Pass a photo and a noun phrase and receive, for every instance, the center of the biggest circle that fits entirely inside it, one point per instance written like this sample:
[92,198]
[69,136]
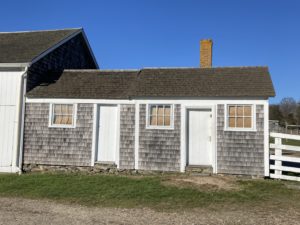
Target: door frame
[185,132]
[96,120]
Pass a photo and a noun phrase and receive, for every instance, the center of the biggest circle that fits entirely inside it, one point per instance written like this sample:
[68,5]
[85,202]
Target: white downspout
[22,116]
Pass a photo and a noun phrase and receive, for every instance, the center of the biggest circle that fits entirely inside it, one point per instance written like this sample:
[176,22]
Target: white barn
[26,60]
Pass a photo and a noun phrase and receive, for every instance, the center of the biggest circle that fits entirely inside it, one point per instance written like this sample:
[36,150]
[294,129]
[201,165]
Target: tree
[274,113]
[288,108]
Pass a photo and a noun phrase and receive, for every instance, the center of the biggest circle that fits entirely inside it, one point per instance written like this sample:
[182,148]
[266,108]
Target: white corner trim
[157,127]
[118,136]
[183,144]
[216,139]
[94,138]
[136,136]
[50,125]
[266,140]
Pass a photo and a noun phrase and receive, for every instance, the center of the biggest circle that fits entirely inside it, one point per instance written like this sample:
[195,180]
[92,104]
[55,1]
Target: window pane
[64,120]
[160,110]
[160,120]
[167,120]
[232,111]
[247,111]
[153,110]
[167,110]
[248,122]
[239,122]
[57,109]
[70,109]
[57,119]
[64,109]
[153,120]
[231,122]
[240,110]
[62,114]
[69,121]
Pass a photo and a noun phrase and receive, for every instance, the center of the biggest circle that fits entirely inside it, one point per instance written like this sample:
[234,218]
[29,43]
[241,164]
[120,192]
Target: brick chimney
[206,53]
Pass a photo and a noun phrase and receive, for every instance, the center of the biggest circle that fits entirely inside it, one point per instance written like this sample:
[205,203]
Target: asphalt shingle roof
[23,47]
[177,82]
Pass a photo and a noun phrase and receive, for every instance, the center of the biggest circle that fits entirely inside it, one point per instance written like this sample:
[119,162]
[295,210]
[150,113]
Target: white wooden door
[7,128]
[107,127]
[9,94]
[199,137]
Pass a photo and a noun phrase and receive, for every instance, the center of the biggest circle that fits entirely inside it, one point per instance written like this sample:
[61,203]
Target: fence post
[278,152]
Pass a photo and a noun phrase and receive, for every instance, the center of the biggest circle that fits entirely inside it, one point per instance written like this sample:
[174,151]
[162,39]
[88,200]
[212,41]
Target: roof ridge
[32,31]
[100,70]
[218,67]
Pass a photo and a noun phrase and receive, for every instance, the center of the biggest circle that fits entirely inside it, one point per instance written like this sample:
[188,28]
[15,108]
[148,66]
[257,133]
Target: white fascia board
[185,102]
[74,101]
[22,65]
[89,47]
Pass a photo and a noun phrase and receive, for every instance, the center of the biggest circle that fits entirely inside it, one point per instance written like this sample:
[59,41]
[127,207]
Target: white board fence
[279,158]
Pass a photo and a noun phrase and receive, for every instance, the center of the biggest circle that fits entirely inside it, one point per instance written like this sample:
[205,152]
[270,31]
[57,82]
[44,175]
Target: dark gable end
[185,82]
[23,47]
[73,54]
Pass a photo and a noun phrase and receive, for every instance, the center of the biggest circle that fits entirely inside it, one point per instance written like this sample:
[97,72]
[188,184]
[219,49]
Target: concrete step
[105,165]
[199,169]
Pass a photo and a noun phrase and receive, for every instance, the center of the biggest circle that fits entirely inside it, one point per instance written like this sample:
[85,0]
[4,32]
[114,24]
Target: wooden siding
[240,152]
[57,146]
[159,149]
[127,133]
[73,54]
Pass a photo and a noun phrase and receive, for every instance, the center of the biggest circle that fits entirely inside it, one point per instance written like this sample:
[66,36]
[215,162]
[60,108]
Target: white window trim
[253,127]
[157,127]
[62,125]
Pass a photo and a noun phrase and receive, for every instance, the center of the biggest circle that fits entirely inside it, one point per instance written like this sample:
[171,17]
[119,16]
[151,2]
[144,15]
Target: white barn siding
[10,83]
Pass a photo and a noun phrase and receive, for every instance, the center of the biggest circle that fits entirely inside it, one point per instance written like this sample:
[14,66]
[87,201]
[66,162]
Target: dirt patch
[209,183]
[18,211]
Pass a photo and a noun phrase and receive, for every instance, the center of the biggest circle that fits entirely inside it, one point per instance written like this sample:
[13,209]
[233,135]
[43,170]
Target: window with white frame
[240,117]
[62,115]
[160,116]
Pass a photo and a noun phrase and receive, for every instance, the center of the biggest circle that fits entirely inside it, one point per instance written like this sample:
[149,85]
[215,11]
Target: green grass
[121,191]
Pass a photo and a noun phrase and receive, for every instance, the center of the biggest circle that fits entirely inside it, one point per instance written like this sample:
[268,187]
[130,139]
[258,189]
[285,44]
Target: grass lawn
[144,191]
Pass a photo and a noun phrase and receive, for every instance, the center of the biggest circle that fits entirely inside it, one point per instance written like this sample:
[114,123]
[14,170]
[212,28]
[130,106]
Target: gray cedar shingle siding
[73,54]
[241,152]
[159,149]
[127,133]
[57,146]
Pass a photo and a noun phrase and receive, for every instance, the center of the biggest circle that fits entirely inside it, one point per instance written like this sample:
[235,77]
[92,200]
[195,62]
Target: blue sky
[162,33]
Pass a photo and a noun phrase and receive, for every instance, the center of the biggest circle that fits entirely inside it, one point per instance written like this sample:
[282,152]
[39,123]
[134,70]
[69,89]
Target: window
[160,116]
[62,115]
[240,117]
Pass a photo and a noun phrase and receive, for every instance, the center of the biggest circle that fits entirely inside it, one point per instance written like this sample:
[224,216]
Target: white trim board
[191,102]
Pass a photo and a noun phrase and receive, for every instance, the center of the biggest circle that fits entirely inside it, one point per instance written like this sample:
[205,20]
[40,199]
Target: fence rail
[289,159]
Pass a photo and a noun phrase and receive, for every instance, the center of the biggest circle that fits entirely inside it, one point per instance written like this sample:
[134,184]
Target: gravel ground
[15,211]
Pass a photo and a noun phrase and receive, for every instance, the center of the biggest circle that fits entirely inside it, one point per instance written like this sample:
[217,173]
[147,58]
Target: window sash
[238,117]
[62,114]
[160,115]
